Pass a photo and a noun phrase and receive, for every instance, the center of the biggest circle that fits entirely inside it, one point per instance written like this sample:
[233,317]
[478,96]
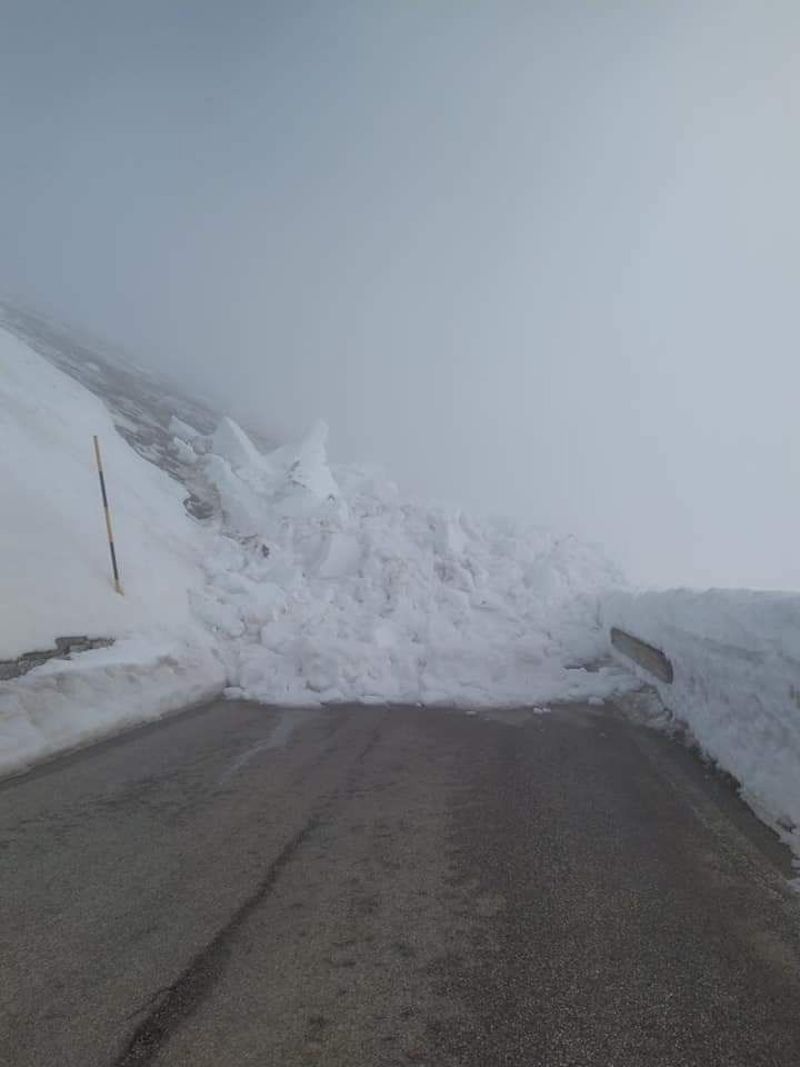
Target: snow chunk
[306,465]
[182,430]
[184,452]
[339,556]
[231,443]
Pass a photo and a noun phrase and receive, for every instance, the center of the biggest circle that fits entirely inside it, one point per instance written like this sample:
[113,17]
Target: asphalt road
[369,887]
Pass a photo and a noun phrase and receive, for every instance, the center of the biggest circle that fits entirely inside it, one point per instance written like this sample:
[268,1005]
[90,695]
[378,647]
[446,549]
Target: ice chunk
[182,430]
[231,443]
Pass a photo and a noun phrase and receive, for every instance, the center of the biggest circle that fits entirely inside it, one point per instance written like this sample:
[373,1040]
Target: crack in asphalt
[146,1003]
[188,991]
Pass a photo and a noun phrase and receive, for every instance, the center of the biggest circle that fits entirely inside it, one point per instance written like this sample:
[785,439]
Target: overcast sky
[538,258]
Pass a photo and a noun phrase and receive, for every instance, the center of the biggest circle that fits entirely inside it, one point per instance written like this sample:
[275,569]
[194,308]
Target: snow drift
[736,659]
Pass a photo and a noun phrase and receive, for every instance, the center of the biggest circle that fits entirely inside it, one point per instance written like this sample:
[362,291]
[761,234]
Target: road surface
[239,885]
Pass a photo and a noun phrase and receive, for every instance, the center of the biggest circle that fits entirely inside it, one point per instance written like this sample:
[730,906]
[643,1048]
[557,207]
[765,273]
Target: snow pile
[326,586]
[736,659]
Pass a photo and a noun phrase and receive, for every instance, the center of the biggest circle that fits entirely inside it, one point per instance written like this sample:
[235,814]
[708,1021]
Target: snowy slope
[55,575]
[54,572]
[142,404]
[303,583]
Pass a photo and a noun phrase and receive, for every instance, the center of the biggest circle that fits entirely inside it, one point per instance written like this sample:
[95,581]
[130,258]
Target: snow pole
[107,511]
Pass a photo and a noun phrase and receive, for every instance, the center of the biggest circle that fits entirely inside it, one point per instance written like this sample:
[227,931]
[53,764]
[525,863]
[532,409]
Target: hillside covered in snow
[267,573]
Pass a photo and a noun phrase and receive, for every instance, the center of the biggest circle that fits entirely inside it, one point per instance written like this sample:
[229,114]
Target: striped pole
[103,493]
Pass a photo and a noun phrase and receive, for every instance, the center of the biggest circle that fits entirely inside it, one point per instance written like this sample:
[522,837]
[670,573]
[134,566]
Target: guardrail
[649,657]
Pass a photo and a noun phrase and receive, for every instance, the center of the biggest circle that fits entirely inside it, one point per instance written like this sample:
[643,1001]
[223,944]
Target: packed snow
[736,662]
[308,584]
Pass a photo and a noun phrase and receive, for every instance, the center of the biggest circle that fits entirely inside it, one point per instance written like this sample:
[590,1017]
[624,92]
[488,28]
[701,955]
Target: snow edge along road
[736,661]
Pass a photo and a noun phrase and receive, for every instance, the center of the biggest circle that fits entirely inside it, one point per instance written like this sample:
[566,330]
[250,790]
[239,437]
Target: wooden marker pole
[103,493]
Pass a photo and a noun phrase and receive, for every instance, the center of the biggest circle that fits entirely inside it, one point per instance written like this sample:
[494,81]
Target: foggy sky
[537,258]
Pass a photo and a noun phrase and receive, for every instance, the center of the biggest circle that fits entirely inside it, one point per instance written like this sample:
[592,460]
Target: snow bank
[54,565]
[736,658]
[66,703]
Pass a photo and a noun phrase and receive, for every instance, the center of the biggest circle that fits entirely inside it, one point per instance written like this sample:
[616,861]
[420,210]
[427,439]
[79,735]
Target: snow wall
[735,655]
